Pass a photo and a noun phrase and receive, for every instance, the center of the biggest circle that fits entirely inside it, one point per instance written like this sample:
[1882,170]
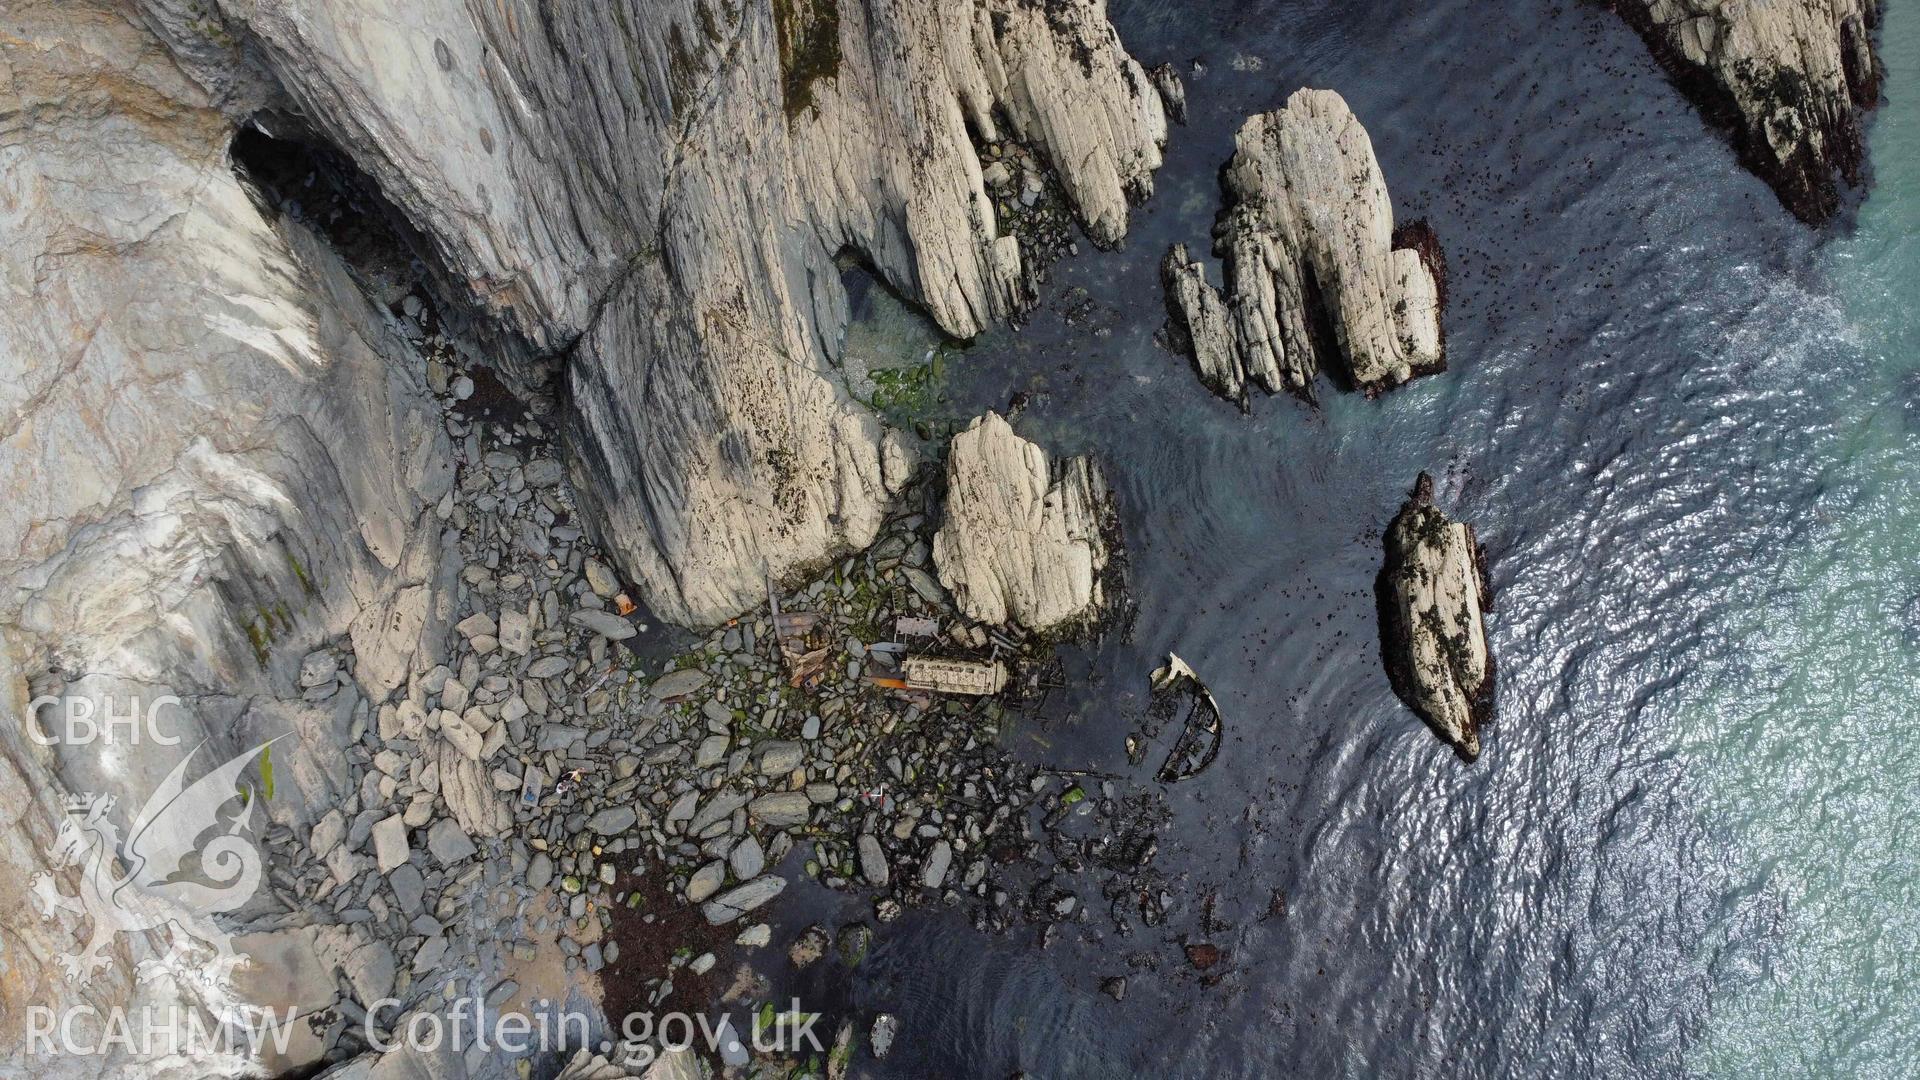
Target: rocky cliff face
[216,449]
[1316,275]
[1022,541]
[1432,594]
[228,458]
[658,192]
[1789,78]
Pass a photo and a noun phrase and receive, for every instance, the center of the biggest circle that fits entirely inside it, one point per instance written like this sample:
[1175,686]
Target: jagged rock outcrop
[1789,78]
[1433,593]
[1205,326]
[1023,541]
[1316,275]
[1172,91]
[659,191]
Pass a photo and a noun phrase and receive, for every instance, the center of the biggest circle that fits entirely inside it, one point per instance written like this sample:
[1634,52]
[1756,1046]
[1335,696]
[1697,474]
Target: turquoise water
[1812,743]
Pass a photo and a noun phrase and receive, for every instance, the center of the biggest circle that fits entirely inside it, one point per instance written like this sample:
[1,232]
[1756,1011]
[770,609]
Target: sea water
[1686,426]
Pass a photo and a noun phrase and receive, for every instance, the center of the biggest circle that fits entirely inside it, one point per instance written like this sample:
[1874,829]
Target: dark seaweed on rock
[1789,81]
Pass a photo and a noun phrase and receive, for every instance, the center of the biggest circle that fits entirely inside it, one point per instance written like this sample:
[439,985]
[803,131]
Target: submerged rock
[1789,78]
[1317,276]
[1023,541]
[1432,593]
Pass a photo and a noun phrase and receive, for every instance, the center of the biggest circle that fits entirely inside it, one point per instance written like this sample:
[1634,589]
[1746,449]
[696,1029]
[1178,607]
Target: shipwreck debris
[802,644]
[1177,691]
[944,676]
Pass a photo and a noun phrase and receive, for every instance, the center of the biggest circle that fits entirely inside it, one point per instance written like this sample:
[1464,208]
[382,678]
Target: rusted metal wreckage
[802,641]
[1179,693]
[944,676]
[807,649]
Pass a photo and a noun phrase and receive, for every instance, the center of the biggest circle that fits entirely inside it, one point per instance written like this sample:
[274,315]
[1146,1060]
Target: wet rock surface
[1433,594]
[623,812]
[672,228]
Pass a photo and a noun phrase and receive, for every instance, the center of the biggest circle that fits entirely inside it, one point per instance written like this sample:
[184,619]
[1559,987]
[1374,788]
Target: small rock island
[1433,593]
[1317,276]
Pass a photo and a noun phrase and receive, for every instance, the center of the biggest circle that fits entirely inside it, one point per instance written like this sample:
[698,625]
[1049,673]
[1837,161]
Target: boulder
[784,810]
[1432,595]
[933,873]
[741,899]
[873,861]
[449,843]
[780,757]
[612,821]
[747,859]
[390,847]
[605,623]
[516,632]
[678,684]
[706,881]
[1023,541]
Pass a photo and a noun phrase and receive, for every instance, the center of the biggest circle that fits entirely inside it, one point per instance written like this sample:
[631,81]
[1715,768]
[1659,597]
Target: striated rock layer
[1789,78]
[1022,541]
[1432,594]
[659,191]
[1316,275]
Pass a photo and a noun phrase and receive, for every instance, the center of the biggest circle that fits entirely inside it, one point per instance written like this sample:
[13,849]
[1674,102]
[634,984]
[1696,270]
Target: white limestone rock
[662,190]
[1022,541]
[390,847]
[1308,235]
[1433,594]
[1790,77]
